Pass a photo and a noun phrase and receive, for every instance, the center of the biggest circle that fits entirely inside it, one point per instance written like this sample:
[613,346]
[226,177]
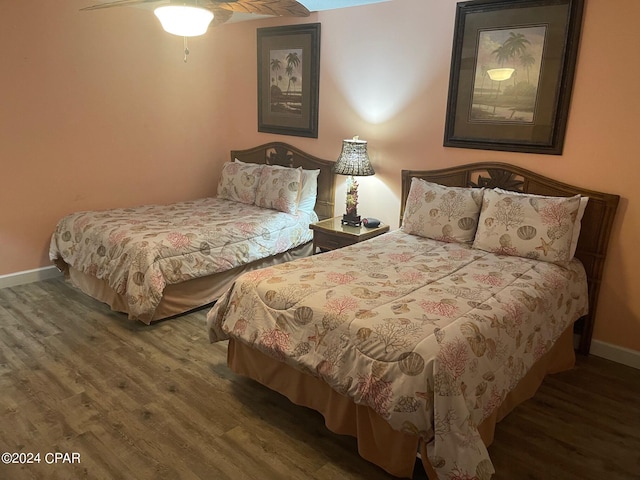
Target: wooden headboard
[595,227]
[277,153]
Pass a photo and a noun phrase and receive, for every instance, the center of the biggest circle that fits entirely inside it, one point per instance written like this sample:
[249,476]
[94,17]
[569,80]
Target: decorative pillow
[576,227]
[448,214]
[239,182]
[279,188]
[308,190]
[530,226]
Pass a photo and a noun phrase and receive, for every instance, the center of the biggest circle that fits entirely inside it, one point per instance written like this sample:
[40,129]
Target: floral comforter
[138,251]
[430,335]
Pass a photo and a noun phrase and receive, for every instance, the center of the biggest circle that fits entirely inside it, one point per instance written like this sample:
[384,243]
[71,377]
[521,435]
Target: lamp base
[353,220]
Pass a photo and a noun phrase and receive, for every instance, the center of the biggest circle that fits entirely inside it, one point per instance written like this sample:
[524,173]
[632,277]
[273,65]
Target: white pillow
[308,190]
[576,226]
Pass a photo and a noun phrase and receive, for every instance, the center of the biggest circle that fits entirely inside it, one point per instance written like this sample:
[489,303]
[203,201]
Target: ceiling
[318,5]
[312,6]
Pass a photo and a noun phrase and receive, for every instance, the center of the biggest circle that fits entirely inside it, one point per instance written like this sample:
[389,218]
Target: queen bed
[418,341]
[157,261]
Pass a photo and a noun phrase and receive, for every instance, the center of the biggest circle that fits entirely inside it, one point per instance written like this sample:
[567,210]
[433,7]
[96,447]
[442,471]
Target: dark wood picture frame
[289,79]
[512,70]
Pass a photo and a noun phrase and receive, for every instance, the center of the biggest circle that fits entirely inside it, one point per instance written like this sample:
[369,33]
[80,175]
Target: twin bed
[415,342]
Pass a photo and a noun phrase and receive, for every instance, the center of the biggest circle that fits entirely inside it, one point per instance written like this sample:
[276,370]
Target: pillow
[308,190]
[448,214]
[279,188]
[576,227]
[530,226]
[239,182]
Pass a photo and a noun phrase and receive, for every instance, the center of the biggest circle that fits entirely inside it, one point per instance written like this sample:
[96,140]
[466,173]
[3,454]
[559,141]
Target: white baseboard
[622,355]
[29,276]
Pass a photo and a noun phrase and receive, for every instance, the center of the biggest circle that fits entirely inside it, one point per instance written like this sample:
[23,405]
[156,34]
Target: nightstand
[331,234]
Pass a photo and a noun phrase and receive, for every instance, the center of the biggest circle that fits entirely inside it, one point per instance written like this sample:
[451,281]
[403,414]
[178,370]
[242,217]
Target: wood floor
[138,402]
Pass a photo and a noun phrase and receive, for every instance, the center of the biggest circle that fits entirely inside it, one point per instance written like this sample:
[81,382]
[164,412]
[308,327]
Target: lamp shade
[354,159]
[184,20]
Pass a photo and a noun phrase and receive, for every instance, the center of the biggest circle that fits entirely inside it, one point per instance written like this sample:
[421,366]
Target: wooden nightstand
[330,234]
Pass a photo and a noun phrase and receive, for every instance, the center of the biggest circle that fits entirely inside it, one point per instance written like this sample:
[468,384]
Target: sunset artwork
[285,91]
[507,72]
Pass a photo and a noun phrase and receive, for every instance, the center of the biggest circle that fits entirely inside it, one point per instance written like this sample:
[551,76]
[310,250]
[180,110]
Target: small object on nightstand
[371,222]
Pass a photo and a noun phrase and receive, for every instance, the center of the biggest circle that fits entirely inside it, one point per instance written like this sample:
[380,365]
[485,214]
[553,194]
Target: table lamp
[353,162]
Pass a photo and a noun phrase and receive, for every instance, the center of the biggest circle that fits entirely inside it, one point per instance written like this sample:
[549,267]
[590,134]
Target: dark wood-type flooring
[139,402]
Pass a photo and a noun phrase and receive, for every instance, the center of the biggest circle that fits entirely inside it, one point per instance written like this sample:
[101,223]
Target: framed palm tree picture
[512,70]
[288,79]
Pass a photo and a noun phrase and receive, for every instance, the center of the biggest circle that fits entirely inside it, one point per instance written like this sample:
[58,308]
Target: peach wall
[385,76]
[106,95]
[98,110]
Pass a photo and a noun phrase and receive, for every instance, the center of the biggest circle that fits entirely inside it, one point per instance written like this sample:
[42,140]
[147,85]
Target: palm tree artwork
[276,65]
[511,58]
[286,98]
[527,61]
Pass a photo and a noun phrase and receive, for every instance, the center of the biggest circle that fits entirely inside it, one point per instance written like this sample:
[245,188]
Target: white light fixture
[184,20]
[500,74]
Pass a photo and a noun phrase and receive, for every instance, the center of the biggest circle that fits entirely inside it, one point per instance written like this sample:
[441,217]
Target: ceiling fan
[222,10]
[189,18]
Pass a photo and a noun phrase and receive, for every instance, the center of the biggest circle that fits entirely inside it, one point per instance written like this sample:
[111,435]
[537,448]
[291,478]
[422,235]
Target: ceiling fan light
[183,20]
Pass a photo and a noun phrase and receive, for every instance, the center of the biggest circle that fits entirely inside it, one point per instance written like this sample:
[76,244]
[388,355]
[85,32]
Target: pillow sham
[238,182]
[308,189]
[529,226]
[448,214]
[575,235]
[279,188]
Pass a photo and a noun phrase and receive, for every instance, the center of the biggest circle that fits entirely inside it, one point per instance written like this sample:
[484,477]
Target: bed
[157,261]
[418,341]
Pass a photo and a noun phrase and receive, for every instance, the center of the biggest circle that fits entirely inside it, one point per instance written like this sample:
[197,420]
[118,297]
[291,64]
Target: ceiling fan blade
[280,8]
[220,15]
[118,3]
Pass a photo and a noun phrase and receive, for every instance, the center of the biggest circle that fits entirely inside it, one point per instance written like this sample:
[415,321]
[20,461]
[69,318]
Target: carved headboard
[277,153]
[595,226]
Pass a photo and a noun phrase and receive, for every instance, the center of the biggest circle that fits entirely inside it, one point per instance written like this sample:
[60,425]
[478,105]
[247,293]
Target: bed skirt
[378,443]
[180,297]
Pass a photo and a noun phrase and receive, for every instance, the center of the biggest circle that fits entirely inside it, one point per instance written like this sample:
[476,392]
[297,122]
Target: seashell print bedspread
[430,335]
[138,251]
